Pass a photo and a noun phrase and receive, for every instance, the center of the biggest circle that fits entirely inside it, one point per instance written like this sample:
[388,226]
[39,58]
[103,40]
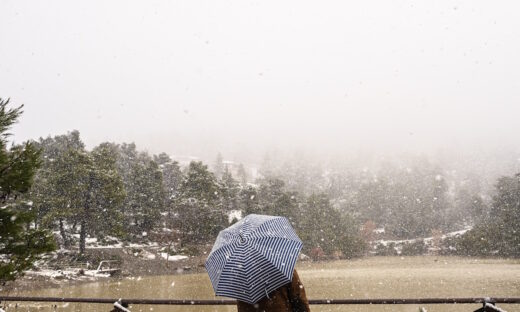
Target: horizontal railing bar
[233,302]
[415,301]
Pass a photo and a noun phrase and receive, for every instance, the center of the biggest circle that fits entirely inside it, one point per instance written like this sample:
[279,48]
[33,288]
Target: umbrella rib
[272,265]
[221,247]
[255,238]
[268,223]
[224,266]
[226,259]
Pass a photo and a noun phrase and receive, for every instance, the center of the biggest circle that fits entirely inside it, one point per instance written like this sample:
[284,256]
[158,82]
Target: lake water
[375,277]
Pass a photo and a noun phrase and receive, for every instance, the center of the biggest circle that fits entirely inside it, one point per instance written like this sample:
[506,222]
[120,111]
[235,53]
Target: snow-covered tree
[199,212]
[47,194]
[242,174]
[229,189]
[79,188]
[20,243]
[218,166]
[325,227]
[274,199]
[171,179]
[498,234]
[91,191]
[143,183]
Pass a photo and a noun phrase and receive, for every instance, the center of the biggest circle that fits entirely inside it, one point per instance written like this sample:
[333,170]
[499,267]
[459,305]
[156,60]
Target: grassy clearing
[412,277]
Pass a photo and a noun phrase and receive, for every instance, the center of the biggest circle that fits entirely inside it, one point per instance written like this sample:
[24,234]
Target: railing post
[489,306]
[120,307]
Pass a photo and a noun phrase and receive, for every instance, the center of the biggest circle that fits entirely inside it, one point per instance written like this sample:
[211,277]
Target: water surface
[376,277]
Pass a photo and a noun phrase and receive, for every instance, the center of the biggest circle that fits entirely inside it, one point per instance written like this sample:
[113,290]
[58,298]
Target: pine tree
[229,191]
[49,190]
[20,245]
[199,211]
[242,175]
[171,177]
[80,188]
[143,182]
[500,230]
[110,193]
[218,167]
[145,194]
[323,226]
[248,200]
[274,199]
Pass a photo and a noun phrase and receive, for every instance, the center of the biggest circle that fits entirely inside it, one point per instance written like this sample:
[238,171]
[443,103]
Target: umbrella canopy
[253,257]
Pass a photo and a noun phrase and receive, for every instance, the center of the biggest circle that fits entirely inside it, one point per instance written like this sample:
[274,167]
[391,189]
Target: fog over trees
[115,191]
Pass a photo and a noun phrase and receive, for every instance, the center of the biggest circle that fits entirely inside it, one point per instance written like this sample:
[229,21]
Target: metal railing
[489,304]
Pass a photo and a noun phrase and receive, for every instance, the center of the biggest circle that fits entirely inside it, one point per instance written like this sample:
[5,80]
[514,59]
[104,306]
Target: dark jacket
[288,298]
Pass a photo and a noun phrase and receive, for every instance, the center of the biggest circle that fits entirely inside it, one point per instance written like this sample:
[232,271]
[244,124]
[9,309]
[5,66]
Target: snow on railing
[488,307]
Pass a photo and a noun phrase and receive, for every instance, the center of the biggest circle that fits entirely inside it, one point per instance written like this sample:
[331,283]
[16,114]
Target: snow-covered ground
[149,251]
[121,245]
[164,255]
[234,214]
[426,239]
[69,273]
[92,242]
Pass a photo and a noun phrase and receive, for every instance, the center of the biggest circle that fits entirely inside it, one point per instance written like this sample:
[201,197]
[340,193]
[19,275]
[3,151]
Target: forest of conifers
[117,192]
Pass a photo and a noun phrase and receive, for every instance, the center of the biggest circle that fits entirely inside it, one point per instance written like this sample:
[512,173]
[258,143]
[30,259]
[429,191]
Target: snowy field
[373,277]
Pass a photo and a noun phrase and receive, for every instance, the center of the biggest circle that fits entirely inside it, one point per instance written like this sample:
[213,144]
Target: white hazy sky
[197,77]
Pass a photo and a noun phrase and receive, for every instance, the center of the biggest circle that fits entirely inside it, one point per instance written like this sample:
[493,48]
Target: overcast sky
[197,77]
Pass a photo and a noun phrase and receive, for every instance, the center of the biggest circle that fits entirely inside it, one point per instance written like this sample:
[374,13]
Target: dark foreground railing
[489,304]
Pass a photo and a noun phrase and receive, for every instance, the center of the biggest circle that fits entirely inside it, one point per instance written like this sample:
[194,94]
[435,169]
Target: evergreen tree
[274,199]
[242,175]
[49,191]
[171,177]
[162,159]
[323,226]
[80,188]
[146,197]
[143,182]
[338,185]
[496,234]
[302,177]
[372,201]
[20,245]
[267,167]
[110,193]
[218,167]
[229,191]
[468,208]
[92,192]
[199,211]
[248,200]
[407,202]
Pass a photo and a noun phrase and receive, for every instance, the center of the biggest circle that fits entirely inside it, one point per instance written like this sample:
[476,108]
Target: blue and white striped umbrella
[253,257]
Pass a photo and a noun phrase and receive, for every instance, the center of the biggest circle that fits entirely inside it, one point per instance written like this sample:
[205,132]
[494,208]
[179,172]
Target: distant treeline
[114,190]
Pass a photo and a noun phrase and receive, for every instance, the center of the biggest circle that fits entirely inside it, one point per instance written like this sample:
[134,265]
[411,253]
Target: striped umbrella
[253,257]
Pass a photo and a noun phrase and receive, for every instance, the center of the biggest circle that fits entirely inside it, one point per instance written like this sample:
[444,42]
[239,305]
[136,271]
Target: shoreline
[132,264]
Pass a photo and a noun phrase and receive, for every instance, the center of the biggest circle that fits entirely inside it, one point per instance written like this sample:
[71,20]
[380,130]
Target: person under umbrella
[253,261]
[290,297]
